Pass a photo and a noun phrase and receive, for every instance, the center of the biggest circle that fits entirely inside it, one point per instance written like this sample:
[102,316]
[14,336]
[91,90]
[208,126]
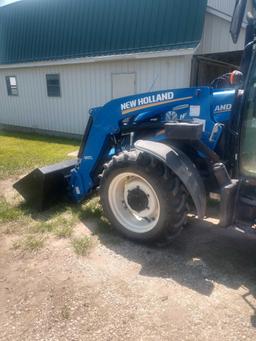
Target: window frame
[48,87]
[9,86]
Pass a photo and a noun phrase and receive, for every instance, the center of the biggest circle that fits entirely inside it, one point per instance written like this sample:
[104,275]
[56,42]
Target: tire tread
[172,190]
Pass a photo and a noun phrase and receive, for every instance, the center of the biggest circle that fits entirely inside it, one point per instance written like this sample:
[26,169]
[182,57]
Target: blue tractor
[157,156]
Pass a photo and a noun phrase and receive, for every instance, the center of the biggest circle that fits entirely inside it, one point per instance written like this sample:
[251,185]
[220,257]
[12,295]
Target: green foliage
[42,227]
[31,243]
[20,152]
[82,245]
[63,231]
[91,209]
[9,213]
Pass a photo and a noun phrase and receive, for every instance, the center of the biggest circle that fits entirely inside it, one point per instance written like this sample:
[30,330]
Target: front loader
[157,156]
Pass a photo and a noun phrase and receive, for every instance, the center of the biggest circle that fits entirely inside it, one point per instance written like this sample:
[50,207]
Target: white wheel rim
[133,220]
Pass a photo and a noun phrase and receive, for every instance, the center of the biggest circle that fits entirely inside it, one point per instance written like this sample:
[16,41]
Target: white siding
[216,36]
[82,86]
[224,6]
[123,84]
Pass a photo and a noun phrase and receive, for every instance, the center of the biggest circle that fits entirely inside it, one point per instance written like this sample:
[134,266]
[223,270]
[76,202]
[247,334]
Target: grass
[31,243]
[64,231]
[42,227]
[60,226]
[9,228]
[91,209]
[82,245]
[9,213]
[21,152]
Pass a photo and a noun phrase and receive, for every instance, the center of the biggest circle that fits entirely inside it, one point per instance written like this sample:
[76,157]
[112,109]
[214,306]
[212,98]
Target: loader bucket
[45,186]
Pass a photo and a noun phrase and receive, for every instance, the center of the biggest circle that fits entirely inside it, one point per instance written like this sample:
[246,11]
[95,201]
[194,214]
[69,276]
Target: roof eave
[97,59]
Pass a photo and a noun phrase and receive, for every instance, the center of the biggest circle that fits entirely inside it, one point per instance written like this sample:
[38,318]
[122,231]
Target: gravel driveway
[200,288]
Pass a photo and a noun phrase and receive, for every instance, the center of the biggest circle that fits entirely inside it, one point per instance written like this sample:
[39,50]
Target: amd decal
[222,108]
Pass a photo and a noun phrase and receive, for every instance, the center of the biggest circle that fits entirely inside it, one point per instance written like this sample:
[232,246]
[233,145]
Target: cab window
[248,133]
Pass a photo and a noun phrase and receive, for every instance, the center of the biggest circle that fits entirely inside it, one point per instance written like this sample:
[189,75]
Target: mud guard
[182,166]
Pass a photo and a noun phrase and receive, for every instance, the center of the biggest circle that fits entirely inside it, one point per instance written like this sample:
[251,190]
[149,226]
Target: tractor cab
[247,148]
[244,118]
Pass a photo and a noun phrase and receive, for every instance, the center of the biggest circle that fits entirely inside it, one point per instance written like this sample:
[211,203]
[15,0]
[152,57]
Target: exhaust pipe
[45,186]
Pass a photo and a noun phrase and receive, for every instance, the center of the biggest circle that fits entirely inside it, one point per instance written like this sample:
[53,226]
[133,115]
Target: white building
[58,58]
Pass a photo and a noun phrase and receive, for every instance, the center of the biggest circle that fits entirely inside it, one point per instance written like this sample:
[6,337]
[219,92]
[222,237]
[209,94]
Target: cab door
[247,151]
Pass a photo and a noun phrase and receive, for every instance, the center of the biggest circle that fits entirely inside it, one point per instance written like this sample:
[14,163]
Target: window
[53,85]
[11,84]
[248,130]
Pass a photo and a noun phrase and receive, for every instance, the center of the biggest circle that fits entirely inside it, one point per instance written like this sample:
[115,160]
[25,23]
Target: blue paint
[210,106]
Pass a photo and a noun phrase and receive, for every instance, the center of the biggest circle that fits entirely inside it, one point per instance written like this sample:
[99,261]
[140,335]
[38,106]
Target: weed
[9,213]
[10,228]
[65,312]
[91,209]
[82,245]
[42,227]
[63,231]
[63,226]
[29,243]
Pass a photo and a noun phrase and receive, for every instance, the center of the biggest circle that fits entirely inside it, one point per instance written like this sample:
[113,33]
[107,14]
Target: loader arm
[117,116]
[116,126]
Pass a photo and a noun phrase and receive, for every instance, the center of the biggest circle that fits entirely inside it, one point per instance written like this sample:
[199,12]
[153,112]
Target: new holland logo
[222,108]
[150,101]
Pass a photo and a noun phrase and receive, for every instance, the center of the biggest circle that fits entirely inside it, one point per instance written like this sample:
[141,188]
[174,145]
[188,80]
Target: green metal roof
[7,2]
[36,30]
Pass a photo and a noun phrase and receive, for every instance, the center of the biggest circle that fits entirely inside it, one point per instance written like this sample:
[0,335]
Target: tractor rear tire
[142,198]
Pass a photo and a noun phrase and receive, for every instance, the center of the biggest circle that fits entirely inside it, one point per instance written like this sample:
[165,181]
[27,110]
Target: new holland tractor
[156,156]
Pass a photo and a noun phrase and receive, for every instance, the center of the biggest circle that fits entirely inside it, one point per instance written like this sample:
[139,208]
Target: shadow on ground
[202,255]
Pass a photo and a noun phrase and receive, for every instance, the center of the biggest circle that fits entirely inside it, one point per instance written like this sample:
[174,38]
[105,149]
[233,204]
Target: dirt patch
[7,191]
[202,287]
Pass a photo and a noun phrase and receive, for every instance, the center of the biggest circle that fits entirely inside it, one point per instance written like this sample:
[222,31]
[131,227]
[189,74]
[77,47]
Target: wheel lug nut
[124,204]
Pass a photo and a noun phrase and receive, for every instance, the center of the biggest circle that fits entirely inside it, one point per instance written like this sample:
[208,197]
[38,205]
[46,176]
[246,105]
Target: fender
[182,166]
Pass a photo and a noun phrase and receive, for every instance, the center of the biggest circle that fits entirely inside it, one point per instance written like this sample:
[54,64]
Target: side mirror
[237,19]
